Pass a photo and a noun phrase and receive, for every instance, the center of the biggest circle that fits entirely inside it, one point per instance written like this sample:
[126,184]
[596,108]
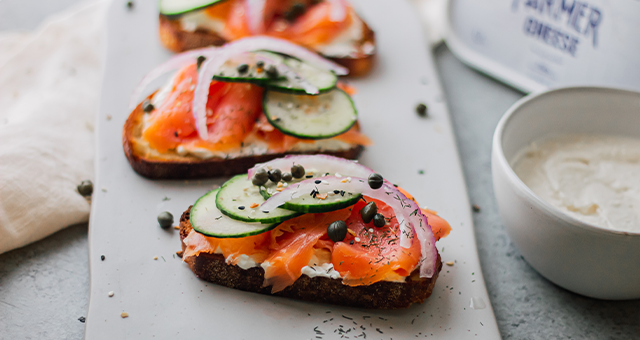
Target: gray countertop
[44,287]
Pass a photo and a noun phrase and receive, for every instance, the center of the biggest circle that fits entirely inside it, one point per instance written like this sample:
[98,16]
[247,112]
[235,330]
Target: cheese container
[534,45]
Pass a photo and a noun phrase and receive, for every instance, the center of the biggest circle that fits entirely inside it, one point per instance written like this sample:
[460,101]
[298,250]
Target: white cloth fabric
[49,92]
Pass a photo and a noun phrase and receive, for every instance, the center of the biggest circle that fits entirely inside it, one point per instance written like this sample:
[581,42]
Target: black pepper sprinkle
[82,319]
[102,257]
[175,133]
[243,68]
[272,72]
[336,192]
[147,106]
[241,207]
[309,176]
[421,109]
[200,60]
[475,208]
[318,181]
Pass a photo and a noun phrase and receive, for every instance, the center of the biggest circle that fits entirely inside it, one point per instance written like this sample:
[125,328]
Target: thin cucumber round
[207,219]
[310,117]
[233,71]
[236,198]
[175,8]
[319,201]
[324,80]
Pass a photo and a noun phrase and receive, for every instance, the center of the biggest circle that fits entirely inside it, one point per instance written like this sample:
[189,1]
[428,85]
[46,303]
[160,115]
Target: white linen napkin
[49,91]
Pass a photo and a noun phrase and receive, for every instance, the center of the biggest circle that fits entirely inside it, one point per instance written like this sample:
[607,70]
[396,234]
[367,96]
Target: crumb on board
[111,293]
[124,315]
[155,258]
[450,263]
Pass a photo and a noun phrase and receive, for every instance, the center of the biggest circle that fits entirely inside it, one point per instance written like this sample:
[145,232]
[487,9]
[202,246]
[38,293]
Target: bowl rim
[520,186]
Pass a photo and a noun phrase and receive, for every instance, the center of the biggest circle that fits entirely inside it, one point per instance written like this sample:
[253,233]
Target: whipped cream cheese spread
[594,178]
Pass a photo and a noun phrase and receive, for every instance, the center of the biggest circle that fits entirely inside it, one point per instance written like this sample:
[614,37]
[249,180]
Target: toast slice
[152,164]
[176,39]
[380,295]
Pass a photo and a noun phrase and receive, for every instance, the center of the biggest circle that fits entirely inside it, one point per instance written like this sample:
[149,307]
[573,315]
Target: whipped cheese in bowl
[594,178]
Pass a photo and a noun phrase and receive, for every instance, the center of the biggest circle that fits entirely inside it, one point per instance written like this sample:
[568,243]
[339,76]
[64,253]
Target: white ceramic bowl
[581,257]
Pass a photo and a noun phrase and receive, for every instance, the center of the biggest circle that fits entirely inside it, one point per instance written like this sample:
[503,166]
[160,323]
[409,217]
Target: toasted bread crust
[187,167]
[178,40]
[380,295]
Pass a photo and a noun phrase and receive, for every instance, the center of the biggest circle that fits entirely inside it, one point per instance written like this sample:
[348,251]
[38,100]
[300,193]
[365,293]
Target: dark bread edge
[191,167]
[380,295]
[177,40]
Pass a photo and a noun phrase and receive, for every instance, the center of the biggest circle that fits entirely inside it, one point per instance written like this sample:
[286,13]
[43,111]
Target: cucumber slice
[207,219]
[310,117]
[324,80]
[229,72]
[174,8]
[331,200]
[236,197]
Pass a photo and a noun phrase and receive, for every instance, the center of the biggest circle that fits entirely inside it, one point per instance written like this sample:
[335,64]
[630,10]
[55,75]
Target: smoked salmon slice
[367,255]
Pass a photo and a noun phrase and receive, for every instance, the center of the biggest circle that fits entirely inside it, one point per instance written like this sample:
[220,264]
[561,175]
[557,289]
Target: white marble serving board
[165,300]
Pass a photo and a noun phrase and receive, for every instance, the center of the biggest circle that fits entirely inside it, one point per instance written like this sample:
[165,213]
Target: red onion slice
[322,163]
[201,93]
[257,43]
[338,10]
[176,62]
[410,218]
[255,15]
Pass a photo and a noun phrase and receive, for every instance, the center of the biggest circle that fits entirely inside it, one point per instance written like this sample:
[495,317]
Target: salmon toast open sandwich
[330,27]
[315,228]
[228,108]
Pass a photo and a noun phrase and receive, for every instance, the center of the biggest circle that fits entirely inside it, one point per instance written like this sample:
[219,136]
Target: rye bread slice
[177,39]
[151,164]
[380,295]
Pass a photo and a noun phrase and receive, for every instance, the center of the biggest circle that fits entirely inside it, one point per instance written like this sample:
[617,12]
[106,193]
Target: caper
[259,181]
[287,177]
[297,171]
[260,177]
[165,219]
[147,106]
[85,188]
[337,231]
[275,175]
[421,109]
[272,72]
[243,68]
[368,212]
[375,181]
[200,60]
[378,221]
